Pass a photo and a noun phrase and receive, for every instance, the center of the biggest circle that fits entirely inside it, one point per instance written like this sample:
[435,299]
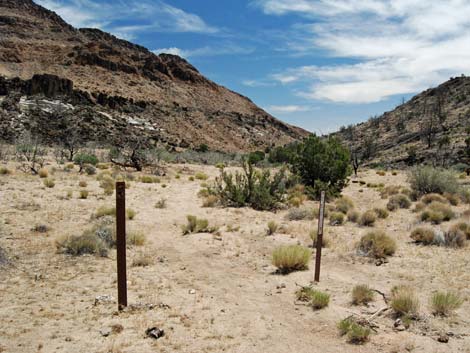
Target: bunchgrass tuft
[356,333]
[368,218]
[444,303]
[271,228]
[376,244]
[362,295]
[404,301]
[289,258]
[195,225]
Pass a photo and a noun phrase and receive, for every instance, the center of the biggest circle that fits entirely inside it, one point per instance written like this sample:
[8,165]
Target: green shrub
[83,244]
[398,201]
[357,333]
[353,216]
[368,218]
[376,244]
[272,227]
[304,294]
[336,218]
[195,225]
[49,183]
[381,212]
[130,213]
[444,303]
[201,176]
[322,165]
[404,301]
[344,204]
[426,180]
[425,236]
[319,300]
[149,179]
[362,294]
[83,159]
[191,178]
[298,214]
[289,258]
[256,189]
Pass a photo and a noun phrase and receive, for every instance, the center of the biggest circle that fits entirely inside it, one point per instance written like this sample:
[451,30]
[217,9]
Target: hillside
[431,127]
[110,88]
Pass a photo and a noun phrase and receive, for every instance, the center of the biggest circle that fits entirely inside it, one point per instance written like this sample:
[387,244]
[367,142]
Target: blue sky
[318,64]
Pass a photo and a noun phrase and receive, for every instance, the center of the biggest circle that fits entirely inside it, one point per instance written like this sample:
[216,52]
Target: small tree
[82,159]
[322,164]
[30,153]
[133,154]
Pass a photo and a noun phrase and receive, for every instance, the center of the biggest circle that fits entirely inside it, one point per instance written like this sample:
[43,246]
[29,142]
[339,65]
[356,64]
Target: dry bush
[455,238]
[376,244]
[40,228]
[289,258]
[43,173]
[336,218]
[453,199]
[390,190]
[344,204]
[398,201]
[142,260]
[49,183]
[130,214]
[83,194]
[82,184]
[425,236]
[103,211]
[428,198]
[4,171]
[368,218]
[272,227]
[149,179]
[381,172]
[444,303]
[382,213]
[356,332]
[298,214]
[316,299]
[210,201]
[136,238]
[201,176]
[404,301]
[296,195]
[362,294]
[353,216]
[419,207]
[107,184]
[195,225]
[314,236]
[102,166]
[464,227]
[87,243]
[426,180]
[437,213]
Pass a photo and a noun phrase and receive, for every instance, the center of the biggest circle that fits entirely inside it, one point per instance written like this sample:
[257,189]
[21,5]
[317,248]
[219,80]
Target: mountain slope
[162,96]
[431,128]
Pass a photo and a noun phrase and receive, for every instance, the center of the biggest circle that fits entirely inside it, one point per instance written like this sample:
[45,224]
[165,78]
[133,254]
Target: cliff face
[160,96]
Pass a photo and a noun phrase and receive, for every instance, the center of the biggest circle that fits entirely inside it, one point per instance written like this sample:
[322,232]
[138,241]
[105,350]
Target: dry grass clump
[419,206]
[362,294]
[344,204]
[43,173]
[160,204]
[136,238]
[83,194]
[82,184]
[336,218]
[130,214]
[404,301]
[376,244]
[398,201]
[296,195]
[464,227]
[353,216]
[40,228]
[433,197]
[316,299]
[201,176]
[425,236]
[455,238]
[444,303]
[357,333]
[195,225]
[382,213]
[453,199]
[390,190]
[107,184]
[314,237]
[381,172]
[102,166]
[87,243]
[103,211]
[289,258]
[298,214]
[368,218]
[437,212]
[49,183]
[272,227]
[142,260]
[4,171]
[210,201]
[149,179]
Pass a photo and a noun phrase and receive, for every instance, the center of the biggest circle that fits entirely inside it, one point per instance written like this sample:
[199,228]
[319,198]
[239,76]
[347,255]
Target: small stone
[182,268]
[155,332]
[443,338]
[105,331]
[192,291]
[101,299]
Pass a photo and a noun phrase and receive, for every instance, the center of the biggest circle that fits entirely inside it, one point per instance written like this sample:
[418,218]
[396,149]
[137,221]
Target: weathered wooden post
[321,216]
[121,243]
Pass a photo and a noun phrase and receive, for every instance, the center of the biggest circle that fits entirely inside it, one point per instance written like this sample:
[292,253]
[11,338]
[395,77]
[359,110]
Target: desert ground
[209,292]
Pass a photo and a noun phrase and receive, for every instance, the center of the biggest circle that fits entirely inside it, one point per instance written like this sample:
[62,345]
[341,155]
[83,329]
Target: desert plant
[83,194]
[455,238]
[201,176]
[4,171]
[398,201]
[29,153]
[319,300]
[210,201]
[426,180]
[425,236]
[368,218]
[357,333]
[271,227]
[381,212]
[83,159]
[298,214]
[404,301]
[381,172]
[107,183]
[142,260]
[304,294]
[103,211]
[82,184]
[130,213]
[87,243]
[390,190]
[313,234]
[464,227]
[43,173]
[362,294]
[353,216]
[444,303]
[195,225]
[433,197]
[419,206]
[376,244]
[289,258]
[344,204]
[336,218]
[454,199]
[49,183]
[437,213]
[149,179]
[135,238]
[161,204]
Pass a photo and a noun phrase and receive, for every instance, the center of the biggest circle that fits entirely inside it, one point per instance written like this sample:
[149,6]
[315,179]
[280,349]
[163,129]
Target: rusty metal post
[321,217]
[121,243]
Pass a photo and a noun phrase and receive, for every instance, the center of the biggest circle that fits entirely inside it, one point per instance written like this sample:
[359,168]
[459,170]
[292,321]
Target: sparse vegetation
[195,225]
[135,238]
[271,227]
[130,213]
[149,179]
[298,214]
[161,204]
[142,260]
[376,244]
[82,184]
[210,201]
[398,201]
[336,218]
[353,216]
[425,236]
[314,236]
[83,194]
[201,176]
[344,204]
[357,333]
[444,303]
[362,294]
[437,213]
[404,301]
[4,171]
[87,243]
[49,183]
[426,180]
[368,218]
[289,258]
[382,213]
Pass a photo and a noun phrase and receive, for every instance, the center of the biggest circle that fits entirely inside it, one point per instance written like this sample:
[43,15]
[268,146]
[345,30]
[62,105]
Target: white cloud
[226,49]
[287,109]
[395,46]
[151,16]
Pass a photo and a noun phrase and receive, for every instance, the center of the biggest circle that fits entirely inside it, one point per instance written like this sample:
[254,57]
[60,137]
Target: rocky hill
[429,128]
[54,75]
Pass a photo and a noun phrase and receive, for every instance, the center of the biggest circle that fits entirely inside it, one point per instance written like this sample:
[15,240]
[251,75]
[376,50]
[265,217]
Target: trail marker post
[121,243]
[321,217]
